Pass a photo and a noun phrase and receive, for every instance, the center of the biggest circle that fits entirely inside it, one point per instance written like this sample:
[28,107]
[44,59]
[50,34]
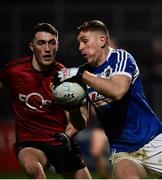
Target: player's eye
[85,41]
[41,42]
[52,42]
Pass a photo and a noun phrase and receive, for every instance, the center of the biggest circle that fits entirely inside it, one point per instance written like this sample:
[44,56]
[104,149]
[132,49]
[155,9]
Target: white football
[69,94]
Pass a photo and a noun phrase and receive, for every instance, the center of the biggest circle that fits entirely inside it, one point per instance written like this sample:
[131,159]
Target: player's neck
[38,66]
[104,55]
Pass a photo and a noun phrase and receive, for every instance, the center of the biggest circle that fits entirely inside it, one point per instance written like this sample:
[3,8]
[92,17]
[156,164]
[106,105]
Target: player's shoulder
[121,54]
[19,61]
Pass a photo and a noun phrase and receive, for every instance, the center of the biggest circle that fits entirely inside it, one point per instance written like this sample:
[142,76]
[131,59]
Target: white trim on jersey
[121,73]
[121,61]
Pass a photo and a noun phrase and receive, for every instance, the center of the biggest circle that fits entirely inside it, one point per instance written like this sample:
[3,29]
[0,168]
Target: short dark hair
[93,25]
[44,27]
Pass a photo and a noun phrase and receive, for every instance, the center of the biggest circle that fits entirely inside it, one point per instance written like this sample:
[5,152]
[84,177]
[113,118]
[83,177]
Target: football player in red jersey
[43,129]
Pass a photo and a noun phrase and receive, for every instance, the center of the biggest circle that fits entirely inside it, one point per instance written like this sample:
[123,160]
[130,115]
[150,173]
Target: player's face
[90,46]
[44,48]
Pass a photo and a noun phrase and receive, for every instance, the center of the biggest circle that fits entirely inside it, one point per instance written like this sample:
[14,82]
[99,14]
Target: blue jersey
[129,123]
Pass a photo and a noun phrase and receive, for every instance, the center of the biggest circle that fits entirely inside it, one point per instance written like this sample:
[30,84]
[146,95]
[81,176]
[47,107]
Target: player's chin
[47,61]
[86,59]
[89,61]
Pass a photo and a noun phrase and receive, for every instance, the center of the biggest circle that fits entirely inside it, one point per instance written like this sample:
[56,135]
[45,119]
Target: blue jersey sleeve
[125,64]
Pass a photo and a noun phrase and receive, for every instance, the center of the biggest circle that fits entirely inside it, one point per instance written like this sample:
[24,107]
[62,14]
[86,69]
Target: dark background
[136,25]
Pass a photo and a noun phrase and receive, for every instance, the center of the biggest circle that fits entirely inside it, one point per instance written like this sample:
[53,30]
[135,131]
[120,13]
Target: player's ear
[31,46]
[103,41]
[57,46]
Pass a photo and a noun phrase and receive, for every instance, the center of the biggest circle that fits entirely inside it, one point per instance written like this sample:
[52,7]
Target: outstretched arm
[114,88]
[77,120]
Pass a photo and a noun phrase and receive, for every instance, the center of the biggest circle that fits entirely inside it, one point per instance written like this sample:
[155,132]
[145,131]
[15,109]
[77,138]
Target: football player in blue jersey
[99,145]
[114,88]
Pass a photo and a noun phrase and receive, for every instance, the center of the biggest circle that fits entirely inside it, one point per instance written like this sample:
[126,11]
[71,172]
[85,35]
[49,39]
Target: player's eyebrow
[45,41]
[83,37]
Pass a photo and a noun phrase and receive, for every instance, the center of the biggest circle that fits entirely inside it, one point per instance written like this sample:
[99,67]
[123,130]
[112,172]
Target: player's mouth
[85,56]
[47,57]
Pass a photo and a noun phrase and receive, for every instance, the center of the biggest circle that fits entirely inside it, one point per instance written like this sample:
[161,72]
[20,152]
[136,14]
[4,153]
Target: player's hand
[64,139]
[67,73]
[73,74]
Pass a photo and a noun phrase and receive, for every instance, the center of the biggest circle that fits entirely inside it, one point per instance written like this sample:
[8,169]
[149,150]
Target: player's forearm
[77,119]
[101,85]
[114,88]
[70,130]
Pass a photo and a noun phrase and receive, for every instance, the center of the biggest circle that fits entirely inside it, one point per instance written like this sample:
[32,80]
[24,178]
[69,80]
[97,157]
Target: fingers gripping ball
[69,94]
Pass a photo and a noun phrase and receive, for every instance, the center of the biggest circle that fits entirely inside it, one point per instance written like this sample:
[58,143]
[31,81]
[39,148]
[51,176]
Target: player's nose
[47,47]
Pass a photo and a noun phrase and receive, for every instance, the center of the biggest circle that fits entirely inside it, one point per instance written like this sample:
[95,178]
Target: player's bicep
[121,84]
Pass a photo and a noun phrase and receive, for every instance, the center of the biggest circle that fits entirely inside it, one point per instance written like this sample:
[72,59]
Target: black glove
[78,77]
[64,139]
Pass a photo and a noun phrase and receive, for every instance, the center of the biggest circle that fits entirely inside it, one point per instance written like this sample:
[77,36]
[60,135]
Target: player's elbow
[118,95]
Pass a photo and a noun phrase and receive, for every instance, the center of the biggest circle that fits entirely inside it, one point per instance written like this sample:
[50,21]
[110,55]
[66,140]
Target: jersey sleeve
[125,65]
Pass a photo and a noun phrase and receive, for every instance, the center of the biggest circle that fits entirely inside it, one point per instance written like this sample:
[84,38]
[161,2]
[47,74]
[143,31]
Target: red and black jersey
[36,114]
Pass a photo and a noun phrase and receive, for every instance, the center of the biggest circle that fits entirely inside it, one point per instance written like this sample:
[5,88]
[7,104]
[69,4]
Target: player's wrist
[71,134]
[82,68]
